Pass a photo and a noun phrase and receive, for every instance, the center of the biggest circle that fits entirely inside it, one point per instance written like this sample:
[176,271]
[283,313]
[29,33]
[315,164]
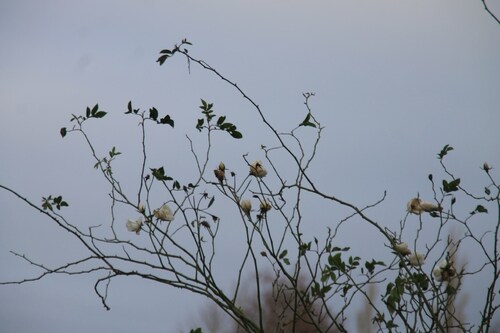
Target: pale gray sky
[394,82]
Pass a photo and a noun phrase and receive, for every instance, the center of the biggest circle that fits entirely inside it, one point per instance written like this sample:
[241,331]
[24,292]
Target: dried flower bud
[429,207]
[141,208]
[437,274]
[486,167]
[417,206]
[402,248]
[265,207]
[413,206]
[134,226]
[257,170]
[164,213]
[444,271]
[416,259]
[246,206]
[219,174]
[222,167]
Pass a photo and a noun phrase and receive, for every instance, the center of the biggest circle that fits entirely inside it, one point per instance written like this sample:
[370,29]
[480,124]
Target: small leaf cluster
[113,152]
[153,115]
[198,330]
[444,151]
[221,124]
[50,202]
[451,186]
[303,248]
[307,121]
[454,185]
[320,290]
[105,162]
[206,109]
[94,112]
[370,265]
[159,174]
[337,266]
[393,293]
[479,209]
[89,113]
[167,53]
[283,257]
[396,290]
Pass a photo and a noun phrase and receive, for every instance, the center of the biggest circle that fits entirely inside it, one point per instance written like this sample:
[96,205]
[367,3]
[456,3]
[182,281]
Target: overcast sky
[394,80]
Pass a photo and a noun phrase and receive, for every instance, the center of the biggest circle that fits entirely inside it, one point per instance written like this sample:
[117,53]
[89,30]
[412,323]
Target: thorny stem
[490,12]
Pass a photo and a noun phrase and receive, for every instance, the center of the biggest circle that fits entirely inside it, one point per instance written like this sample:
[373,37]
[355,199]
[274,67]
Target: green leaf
[486,190]
[199,124]
[315,289]
[211,202]
[167,120]
[421,280]
[129,107]
[160,174]
[306,121]
[204,105]
[451,186]
[226,126]
[354,261]
[325,275]
[336,262]
[370,265]
[63,132]
[236,134]
[100,114]
[444,151]
[162,59]
[221,119]
[480,209]
[153,114]
[346,288]
[391,324]
[87,112]
[388,288]
[94,110]
[303,248]
[325,290]
[198,330]
[286,261]
[283,254]
[113,152]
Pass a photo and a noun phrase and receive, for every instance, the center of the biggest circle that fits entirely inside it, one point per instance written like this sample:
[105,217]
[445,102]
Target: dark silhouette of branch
[490,12]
